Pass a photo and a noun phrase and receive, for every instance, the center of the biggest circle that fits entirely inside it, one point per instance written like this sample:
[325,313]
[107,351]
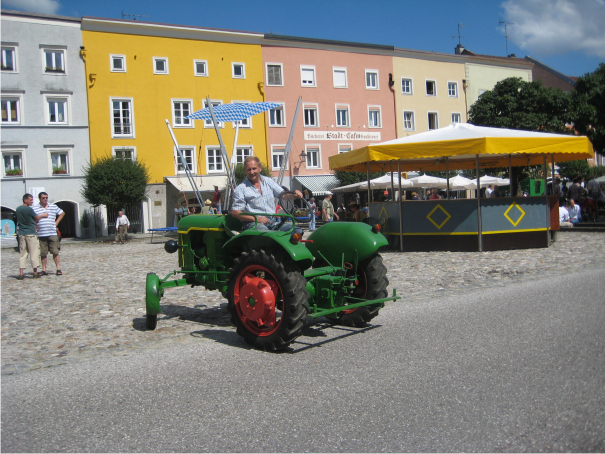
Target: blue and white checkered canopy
[233,112]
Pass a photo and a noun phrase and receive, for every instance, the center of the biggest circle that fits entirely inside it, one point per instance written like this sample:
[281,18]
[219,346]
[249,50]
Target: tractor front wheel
[267,299]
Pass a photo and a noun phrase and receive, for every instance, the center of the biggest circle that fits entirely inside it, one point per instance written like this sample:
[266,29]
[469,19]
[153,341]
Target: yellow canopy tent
[458,146]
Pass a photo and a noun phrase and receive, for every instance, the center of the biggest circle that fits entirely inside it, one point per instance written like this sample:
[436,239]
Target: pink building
[347,103]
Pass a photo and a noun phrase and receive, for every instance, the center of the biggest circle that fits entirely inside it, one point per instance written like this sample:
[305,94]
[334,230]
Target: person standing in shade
[217,200]
[122,224]
[312,210]
[327,209]
[47,231]
[28,239]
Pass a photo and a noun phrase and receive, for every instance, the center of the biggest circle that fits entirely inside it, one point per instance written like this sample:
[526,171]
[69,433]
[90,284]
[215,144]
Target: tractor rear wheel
[373,284]
[267,299]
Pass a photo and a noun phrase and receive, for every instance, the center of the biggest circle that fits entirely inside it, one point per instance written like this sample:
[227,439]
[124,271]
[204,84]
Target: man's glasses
[44,198]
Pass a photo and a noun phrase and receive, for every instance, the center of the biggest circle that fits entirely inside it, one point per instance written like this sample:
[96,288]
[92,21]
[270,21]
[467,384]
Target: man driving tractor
[256,194]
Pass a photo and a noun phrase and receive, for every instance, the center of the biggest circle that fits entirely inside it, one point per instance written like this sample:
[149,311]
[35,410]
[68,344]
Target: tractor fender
[353,239]
[153,294]
[270,240]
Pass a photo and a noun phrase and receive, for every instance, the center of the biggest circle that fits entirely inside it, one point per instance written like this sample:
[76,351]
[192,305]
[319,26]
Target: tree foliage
[588,97]
[516,104]
[346,178]
[115,182]
[240,173]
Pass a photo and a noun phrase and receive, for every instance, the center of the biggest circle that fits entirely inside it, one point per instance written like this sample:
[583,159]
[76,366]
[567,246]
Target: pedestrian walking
[327,209]
[217,200]
[47,231]
[312,210]
[122,224]
[28,238]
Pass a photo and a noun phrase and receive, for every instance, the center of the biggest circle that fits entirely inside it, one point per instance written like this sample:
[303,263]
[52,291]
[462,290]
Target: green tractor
[274,280]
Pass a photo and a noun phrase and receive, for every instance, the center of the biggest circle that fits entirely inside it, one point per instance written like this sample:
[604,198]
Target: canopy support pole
[447,176]
[510,175]
[185,166]
[547,204]
[369,189]
[230,174]
[400,208]
[479,226]
[284,164]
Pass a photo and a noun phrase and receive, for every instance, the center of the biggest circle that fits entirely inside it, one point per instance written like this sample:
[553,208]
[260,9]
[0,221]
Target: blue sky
[567,35]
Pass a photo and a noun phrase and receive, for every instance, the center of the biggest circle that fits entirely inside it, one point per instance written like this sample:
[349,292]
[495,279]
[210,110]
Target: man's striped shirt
[46,226]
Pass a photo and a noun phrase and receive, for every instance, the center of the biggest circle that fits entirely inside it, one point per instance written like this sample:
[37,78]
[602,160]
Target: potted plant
[14,172]
[59,170]
[85,222]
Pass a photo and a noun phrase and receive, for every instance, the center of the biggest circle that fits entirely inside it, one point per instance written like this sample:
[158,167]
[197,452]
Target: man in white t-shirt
[122,224]
[564,215]
[47,231]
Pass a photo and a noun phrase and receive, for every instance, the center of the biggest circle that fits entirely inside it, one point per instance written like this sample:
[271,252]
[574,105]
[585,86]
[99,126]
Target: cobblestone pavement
[97,306]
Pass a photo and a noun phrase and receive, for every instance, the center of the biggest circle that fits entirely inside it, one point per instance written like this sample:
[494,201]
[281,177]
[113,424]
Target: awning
[204,184]
[318,184]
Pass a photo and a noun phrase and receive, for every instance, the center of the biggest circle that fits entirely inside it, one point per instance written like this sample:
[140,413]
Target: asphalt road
[518,368]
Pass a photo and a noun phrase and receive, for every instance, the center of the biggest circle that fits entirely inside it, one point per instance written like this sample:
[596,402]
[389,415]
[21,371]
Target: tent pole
[479,226]
[447,175]
[393,184]
[369,190]
[547,204]
[230,176]
[400,208]
[282,169]
[510,175]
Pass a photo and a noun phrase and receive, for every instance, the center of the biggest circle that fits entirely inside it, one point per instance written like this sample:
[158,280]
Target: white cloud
[33,6]
[548,27]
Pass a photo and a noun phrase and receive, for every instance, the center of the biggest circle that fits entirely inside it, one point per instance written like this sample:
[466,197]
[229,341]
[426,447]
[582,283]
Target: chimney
[459,49]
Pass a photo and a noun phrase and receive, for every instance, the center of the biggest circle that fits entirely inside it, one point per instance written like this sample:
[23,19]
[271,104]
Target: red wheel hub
[257,300]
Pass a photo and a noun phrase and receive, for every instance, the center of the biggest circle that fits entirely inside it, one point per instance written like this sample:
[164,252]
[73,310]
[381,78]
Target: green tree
[115,182]
[240,173]
[588,98]
[516,104]
[346,178]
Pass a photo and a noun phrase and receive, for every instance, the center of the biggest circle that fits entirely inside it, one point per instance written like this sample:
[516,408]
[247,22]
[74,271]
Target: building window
[57,110]
[274,74]
[433,121]
[60,162]
[277,156]
[342,116]
[9,60]
[408,121]
[277,117]
[118,63]
[339,76]
[246,122]
[181,109]
[307,76]
[200,68]
[241,153]
[371,79]
[374,120]
[214,160]
[406,86]
[456,118]
[344,148]
[189,155]
[312,157]
[431,88]
[208,123]
[122,118]
[124,153]
[160,65]
[54,60]
[13,164]
[310,115]
[11,110]
[238,70]
[452,89]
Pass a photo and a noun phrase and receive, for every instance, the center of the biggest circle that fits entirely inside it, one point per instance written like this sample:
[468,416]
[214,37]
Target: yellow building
[141,74]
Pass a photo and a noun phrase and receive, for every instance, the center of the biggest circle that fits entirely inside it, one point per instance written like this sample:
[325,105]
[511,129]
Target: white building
[45,139]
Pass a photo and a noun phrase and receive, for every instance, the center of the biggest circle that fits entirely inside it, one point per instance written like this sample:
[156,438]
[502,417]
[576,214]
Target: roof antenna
[132,16]
[459,48]
[500,21]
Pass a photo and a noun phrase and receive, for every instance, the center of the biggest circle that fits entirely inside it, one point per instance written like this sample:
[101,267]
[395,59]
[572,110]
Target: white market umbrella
[428,181]
[459,182]
[487,180]
[384,182]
